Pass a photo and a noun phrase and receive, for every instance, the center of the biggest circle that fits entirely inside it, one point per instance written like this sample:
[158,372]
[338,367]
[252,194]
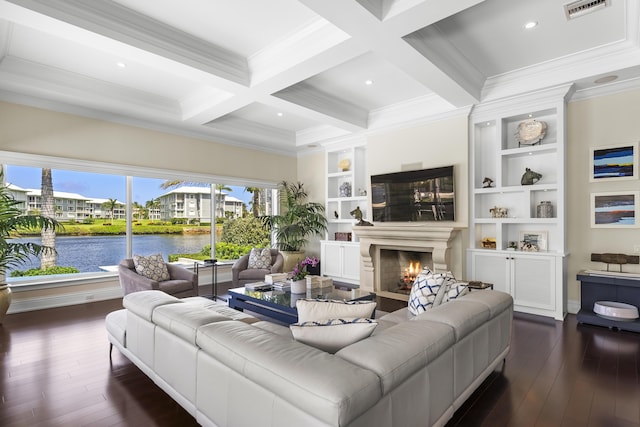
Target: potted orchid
[298,274]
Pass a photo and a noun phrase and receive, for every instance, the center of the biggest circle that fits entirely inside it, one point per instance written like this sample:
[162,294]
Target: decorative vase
[299,286]
[291,259]
[544,210]
[5,300]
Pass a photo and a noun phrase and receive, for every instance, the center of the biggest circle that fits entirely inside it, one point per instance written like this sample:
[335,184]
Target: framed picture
[615,209]
[614,162]
[533,241]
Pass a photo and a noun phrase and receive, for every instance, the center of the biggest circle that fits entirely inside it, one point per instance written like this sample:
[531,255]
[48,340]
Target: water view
[89,253]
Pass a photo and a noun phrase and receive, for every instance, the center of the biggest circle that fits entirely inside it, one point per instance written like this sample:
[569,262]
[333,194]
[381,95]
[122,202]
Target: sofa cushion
[400,315]
[400,351]
[462,315]
[152,267]
[143,303]
[333,334]
[259,258]
[334,390]
[116,324]
[428,290]
[496,301]
[310,310]
[184,319]
[220,308]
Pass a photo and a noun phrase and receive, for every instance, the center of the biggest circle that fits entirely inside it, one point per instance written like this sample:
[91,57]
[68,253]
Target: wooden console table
[607,287]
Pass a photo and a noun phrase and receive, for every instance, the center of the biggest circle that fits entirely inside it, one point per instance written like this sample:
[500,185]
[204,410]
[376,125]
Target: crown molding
[118,22]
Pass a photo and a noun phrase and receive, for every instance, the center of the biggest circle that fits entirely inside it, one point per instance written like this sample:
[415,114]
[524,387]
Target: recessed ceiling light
[121,64]
[531,24]
[368,82]
[605,79]
[280,114]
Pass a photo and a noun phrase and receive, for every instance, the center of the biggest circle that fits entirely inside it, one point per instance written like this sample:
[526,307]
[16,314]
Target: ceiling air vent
[581,7]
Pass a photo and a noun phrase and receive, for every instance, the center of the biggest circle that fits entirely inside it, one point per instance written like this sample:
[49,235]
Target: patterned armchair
[172,279]
[241,274]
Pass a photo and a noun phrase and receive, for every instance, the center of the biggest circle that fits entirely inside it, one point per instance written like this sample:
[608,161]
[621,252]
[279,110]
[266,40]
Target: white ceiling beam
[354,19]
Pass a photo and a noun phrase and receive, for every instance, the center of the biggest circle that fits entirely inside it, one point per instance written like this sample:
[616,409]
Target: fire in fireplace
[399,268]
[409,276]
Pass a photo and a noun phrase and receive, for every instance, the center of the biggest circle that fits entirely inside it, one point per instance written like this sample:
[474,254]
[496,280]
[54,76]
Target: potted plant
[300,220]
[14,254]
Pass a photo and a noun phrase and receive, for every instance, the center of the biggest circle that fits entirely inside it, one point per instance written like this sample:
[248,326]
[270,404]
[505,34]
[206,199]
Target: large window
[168,217]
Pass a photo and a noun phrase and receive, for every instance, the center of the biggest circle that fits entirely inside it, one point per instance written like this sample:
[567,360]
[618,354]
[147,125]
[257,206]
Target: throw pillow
[333,334]
[428,290]
[456,290]
[152,267]
[321,309]
[260,258]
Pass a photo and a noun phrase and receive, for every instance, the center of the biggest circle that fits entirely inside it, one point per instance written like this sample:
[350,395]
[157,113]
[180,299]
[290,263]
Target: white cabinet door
[351,262]
[340,260]
[491,268]
[534,281]
[331,259]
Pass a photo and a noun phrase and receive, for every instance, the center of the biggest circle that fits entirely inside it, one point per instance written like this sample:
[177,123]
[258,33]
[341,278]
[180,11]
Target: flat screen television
[419,195]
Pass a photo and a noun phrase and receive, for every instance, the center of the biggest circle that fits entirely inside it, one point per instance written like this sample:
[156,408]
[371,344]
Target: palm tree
[256,205]
[152,205]
[48,234]
[137,210]
[11,223]
[111,206]
[219,200]
[301,219]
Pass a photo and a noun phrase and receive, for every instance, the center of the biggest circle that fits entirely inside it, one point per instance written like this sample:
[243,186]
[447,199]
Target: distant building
[68,206]
[194,203]
[189,202]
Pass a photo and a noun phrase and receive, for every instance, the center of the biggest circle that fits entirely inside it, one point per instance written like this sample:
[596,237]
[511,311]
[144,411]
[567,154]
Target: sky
[94,185]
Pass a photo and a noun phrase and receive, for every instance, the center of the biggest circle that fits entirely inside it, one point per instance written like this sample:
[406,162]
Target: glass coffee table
[281,305]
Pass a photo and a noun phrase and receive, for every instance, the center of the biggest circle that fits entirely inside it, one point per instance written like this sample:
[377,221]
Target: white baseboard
[573,306]
[53,301]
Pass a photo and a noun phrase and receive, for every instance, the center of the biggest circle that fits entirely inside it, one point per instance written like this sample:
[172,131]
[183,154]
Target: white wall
[611,119]
[440,143]
[35,131]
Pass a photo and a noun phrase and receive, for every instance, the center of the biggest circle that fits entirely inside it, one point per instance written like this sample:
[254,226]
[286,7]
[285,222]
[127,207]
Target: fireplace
[399,268]
[387,250]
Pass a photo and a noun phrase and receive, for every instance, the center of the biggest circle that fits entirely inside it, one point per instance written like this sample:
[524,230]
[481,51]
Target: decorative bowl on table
[615,310]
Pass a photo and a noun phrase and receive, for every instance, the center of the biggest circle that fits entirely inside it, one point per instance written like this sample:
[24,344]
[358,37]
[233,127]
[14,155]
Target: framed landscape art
[614,162]
[615,209]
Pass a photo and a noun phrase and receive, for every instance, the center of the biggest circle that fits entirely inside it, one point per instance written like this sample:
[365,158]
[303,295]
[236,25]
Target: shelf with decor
[517,202]
[346,189]
[347,183]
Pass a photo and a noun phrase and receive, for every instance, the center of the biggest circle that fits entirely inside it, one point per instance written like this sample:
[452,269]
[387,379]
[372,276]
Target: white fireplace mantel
[419,237]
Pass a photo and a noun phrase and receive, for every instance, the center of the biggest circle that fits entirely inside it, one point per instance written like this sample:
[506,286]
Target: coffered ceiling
[281,75]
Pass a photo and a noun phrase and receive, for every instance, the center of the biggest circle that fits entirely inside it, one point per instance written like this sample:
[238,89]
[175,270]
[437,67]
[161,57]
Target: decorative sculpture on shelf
[357,214]
[487,183]
[530,177]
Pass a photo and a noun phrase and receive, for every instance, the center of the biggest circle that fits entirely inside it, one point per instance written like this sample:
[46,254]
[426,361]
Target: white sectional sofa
[229,369]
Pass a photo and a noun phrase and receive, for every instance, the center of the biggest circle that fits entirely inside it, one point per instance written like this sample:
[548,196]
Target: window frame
[128,172]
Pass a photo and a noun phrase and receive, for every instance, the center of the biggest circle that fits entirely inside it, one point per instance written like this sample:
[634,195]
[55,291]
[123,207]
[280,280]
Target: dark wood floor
[55,371]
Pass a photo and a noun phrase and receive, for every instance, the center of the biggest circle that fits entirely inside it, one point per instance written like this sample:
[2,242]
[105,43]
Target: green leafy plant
[12,222]
[45,272]
[301,219]
[245,231]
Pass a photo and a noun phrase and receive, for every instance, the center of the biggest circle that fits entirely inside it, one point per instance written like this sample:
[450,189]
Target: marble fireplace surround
[406,237]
